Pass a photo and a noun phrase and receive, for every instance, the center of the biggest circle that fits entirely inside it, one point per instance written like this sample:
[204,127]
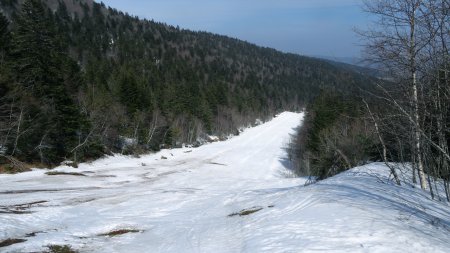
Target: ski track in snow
[185,203]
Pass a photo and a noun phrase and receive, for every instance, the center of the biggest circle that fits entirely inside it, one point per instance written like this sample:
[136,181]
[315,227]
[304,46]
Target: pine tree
[4,46]
[41,70]
[4,38]
[4,103]
[34,48]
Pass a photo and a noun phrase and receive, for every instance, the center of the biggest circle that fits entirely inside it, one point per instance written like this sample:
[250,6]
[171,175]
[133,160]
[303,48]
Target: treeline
[406,118]
[336,135]
[79,80]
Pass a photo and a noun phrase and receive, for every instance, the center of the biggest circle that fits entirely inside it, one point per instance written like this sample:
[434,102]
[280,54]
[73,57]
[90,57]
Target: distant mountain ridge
[354,64]
[349,60]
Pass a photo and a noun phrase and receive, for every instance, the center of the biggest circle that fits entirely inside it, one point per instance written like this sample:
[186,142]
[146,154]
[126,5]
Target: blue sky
[308,27]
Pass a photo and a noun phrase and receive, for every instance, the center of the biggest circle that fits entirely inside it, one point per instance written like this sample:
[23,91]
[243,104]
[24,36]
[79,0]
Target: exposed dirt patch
[7,211]
[120,232]
[167,173]
[9,242]
[220,164]
[182,190]
[11,169]
[82,200]
[29,205]
[15,166]
[246,212]
[21,208]
[60,249]
[33,234]
[49,190]
[105,176]
[60,173]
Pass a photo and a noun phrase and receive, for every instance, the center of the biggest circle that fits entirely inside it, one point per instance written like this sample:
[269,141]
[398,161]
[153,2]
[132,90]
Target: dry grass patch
[246,212]
[120,232]
[13,169]
[21,208]
[60,173]
[60,249]
[9,242]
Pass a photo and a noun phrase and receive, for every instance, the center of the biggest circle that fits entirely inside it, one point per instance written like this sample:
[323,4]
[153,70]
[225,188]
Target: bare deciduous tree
[410,41]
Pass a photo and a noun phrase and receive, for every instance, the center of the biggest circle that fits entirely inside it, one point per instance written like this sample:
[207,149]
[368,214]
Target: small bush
[336,135]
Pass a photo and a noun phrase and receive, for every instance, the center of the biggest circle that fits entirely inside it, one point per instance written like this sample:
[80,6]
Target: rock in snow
[229,196]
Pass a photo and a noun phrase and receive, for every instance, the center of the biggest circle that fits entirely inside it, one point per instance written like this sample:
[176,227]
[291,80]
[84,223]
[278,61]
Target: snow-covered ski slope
[230,196]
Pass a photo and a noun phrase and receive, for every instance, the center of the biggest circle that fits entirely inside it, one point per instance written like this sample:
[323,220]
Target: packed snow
[233,196]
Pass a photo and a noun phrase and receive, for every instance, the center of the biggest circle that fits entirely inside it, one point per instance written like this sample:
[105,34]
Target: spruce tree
[4,45]
[4,38]
[35,48]
[40,67]
[4,48]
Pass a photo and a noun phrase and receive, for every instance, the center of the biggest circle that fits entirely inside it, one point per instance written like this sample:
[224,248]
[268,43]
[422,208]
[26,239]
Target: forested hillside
[79,80]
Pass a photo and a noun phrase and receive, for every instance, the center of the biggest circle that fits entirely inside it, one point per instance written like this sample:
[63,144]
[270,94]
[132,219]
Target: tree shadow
[413,208]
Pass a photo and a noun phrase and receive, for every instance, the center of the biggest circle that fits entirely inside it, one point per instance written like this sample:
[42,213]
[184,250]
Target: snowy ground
[230,196]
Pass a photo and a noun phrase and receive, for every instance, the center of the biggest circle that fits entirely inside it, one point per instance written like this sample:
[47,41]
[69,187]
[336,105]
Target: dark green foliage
[162,136]
[9,3]
[336,135]
[45,75]
[325,111]
[5,89]
[35,49]
[131,94]
[91,80]
[4,32]
[5,38]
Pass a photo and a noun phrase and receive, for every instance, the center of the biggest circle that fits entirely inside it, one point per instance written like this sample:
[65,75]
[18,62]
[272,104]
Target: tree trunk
[393,172]
[415,98]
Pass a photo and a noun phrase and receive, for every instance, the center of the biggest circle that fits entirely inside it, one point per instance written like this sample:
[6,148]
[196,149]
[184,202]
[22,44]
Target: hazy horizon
[307,27]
